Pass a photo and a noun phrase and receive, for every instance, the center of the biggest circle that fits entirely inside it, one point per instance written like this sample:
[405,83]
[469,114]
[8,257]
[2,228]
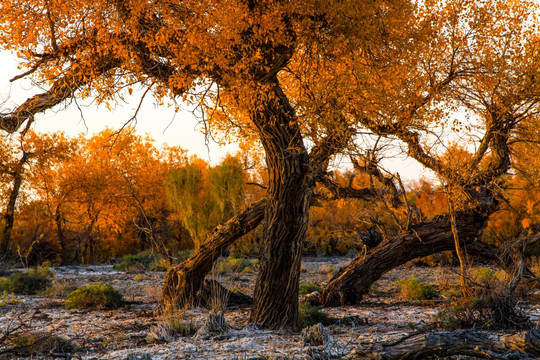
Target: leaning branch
[62,89]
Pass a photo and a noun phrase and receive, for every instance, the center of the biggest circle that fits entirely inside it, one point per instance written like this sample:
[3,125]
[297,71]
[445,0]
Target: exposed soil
[123,334]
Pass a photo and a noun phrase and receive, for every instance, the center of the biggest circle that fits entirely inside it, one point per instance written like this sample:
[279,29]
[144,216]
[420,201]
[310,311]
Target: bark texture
[349,285]
[184,281]
[285,222]
[9,214]
[477,344]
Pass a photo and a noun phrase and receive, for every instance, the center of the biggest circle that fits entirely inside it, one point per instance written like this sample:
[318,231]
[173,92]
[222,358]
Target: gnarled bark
[183,281]
[349,285]
[285,223]
[523,345]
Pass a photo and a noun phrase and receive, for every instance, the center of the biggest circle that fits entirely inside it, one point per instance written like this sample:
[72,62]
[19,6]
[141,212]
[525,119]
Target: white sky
[161,123]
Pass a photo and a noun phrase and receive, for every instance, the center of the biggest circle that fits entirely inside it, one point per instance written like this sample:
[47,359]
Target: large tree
[279,73]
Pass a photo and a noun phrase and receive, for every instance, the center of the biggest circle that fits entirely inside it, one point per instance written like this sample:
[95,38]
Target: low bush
[238,265]
[8,299]
[61,288]
[308,288]
[137,263]
[414,289]
[311,315]
[39,343]
[484,275]
[30,282]
[483,311]
[96,296]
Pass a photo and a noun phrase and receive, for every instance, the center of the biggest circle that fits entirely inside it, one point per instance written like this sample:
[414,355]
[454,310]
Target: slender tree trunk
[61,236]
[276,290]
[184,281]
[9,215]
[352,282]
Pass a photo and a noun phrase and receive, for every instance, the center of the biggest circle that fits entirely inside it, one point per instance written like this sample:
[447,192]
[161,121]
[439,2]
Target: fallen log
[476,344]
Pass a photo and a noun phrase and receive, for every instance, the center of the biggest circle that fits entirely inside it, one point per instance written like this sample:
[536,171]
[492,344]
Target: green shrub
[8,299]
[97,296]
[137,262]
[485,275]
[238,265]
[311,315]
[414,289]
[308,288]
[182,328]
[29,282]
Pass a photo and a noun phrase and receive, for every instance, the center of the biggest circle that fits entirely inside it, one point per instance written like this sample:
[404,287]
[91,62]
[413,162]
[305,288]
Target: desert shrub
[327,269]
[159,264]
[30,344]
[8,299]
[308,288]
[438,259]
[29,282]
[138,262]
[60,288]
[414,289]
[483,311]
[96,296]
[238,265]
[311,315]
[485,276]
[183,328]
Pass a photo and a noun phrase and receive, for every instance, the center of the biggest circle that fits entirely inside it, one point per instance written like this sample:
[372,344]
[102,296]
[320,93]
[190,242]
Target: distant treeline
[87,200]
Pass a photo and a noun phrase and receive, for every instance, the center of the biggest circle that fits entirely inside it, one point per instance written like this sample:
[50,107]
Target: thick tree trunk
[9,214]
[285,223]
[184,281]
[477,344]
[349,285]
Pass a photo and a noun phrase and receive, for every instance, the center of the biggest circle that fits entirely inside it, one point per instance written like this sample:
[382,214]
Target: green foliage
[485,275]
[30,282]
[308,288]
[205,196]
[96,296]
[8,299]
[237,265]
[311,315]
[143,261]
[182,328]
[414,289]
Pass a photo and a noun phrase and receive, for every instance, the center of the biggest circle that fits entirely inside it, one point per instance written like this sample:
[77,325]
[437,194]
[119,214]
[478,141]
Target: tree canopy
[307,80]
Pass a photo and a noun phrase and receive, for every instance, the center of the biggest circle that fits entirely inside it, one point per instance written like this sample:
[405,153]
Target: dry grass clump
[39,343]
[169,326]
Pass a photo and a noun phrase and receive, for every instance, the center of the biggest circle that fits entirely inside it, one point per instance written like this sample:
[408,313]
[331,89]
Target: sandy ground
[123,334]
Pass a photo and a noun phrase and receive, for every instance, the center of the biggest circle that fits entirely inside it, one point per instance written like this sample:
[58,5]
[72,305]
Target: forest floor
[123,334]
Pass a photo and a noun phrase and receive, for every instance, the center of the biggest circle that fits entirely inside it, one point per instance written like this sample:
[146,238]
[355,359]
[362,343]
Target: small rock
[138,356]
